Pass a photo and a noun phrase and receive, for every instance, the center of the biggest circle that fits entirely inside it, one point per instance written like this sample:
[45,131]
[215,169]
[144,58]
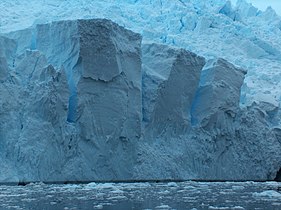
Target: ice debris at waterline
[86,100]
[166,196]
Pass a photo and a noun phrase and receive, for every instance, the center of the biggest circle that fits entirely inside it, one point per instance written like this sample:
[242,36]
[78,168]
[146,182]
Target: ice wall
[109,98]
[95,66]
[224,142]
[210,28]
[83,100]
[33,113]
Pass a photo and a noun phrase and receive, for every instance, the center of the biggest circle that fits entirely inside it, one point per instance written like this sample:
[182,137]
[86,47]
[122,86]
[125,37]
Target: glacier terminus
[139,90]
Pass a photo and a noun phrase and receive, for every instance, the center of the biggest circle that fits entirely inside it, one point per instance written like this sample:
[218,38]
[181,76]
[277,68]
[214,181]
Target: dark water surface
[122,196]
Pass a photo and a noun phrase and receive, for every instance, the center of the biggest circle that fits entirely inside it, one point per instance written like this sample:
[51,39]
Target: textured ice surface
[241,34]
[170,80]
[217,95]
[33,114]
[80,100]
[3,68]
[80,97]
[109,98]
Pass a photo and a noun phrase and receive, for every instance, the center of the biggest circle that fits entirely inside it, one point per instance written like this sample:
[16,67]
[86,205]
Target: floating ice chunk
[268,193]
[172,184]
[106,186]
[226,207]
[91,185]
[219,207]
[238,187]
[237,208]
[163,207]
[98,206]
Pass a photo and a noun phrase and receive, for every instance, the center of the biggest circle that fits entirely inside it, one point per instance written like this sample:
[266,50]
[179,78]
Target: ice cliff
[163,71]
[192,93]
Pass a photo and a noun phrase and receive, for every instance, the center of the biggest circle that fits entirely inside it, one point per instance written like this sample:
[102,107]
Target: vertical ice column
[59,41]
[217,99]
[109,90]
[170,80]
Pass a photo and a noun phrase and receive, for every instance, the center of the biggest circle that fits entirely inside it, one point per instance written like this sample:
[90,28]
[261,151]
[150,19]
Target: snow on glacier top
[244,35]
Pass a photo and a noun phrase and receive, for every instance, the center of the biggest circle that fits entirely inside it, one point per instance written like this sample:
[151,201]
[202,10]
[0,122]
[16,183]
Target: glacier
[139,90]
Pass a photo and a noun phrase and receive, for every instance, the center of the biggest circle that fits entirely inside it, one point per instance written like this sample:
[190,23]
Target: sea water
[145,195]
